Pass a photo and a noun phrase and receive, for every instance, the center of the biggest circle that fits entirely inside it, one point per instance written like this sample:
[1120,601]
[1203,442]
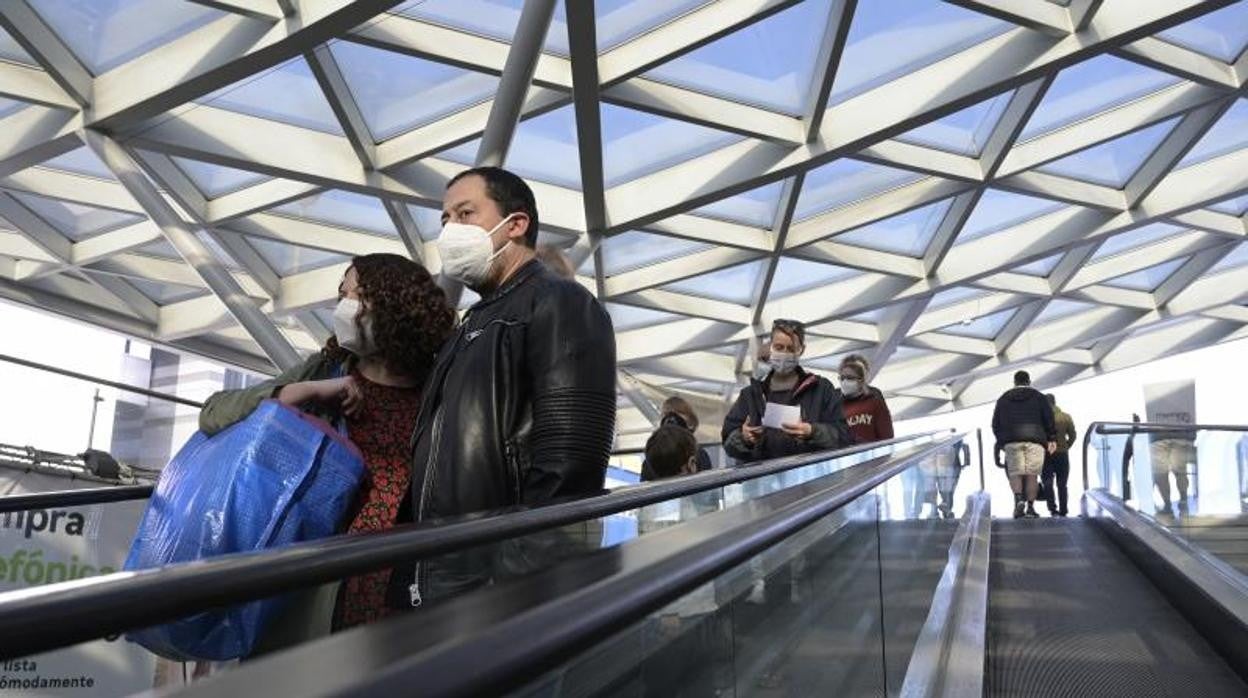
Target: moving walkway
[838,573]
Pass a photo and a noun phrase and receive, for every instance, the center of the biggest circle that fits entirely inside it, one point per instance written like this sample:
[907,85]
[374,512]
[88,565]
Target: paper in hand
[778,415]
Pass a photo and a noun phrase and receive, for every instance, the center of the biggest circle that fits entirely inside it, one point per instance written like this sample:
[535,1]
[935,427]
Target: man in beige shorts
[1023,424]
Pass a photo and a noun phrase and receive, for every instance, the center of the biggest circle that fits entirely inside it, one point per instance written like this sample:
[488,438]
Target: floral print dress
[382,430]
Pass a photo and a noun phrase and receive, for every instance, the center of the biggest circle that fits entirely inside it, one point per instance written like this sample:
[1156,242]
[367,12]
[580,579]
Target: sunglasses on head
[793,327]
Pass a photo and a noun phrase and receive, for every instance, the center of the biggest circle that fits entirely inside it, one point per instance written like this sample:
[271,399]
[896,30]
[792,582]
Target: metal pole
[526,49]
[100,381]
[195,252]
[95,409]
[631,391]
[979,438]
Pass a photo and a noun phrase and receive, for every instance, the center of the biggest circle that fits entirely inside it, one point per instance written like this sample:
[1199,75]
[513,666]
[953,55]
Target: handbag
[277,477]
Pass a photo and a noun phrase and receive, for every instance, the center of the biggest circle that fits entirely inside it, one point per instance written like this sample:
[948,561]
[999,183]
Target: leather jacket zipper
[467,337]
[425,487]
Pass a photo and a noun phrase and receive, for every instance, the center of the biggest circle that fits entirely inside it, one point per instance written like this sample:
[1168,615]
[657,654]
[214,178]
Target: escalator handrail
[127,600]
[113,493]
[488,660]
[1133,428]
[73,498]
[1118,428]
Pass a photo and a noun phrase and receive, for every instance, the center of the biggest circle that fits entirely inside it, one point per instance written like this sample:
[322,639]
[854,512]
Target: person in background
[671,451]
[520,405]
[1241,459]
[866,412]
[688,644]
[822,424]
[1023,424]
[1171,452]
[676,411]
[556,261]
[1128,457]
[390,320]
[1057,463]
[762,362]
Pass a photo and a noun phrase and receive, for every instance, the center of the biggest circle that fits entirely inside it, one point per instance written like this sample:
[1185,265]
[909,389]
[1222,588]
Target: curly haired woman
[390,321]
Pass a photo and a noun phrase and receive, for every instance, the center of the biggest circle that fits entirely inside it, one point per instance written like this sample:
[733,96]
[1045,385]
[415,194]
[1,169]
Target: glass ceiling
[770,64]
[701,130]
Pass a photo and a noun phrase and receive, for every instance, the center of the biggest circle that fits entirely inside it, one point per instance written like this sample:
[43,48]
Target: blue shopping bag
[277,477]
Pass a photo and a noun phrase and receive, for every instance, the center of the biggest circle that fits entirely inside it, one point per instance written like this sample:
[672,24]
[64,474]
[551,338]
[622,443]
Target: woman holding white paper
[789,410]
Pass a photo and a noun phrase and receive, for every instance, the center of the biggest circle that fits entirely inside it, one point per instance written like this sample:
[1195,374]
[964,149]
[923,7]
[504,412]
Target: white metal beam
[583,46]
[998,64]
[1047,17]
[831,49]
[196,254]
[29,30]
[267,10]
[526,49]
[27,84]
[217,55]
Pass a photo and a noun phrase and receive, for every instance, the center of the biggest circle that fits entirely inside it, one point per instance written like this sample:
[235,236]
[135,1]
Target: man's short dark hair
[669,450]
[510,192]
[1022,378]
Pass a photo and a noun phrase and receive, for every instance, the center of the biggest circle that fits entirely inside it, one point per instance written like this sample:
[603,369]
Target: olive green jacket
[228,407]
[1066,433]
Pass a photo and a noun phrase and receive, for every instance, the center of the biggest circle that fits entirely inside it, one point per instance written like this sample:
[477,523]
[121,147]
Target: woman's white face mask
[467,251]
[346,330]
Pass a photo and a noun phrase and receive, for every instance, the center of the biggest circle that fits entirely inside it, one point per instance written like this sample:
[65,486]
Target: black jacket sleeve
[830,429]
[734,443]
[571,360]
[996,422]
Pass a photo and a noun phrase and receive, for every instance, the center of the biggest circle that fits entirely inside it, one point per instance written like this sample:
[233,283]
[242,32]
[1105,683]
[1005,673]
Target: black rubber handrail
[1119,428]
[73,498]
[472,646]
[51,616]
[121,493]
[1132,428]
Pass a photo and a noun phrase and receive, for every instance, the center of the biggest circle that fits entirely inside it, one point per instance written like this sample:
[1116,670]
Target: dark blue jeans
[1056,466]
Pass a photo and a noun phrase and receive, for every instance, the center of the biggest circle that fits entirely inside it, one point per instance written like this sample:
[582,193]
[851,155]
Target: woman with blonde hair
[865,408]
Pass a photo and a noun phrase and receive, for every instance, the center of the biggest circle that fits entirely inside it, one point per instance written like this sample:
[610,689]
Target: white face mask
[852,387]
[347,332]
[467,252]
[784,363]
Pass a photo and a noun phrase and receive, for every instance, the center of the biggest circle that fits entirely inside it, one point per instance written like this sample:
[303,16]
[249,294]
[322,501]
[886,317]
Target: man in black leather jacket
[520,407]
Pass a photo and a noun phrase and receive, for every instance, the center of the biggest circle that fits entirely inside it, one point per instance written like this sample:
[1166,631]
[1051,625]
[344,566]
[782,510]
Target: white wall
[42,409]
